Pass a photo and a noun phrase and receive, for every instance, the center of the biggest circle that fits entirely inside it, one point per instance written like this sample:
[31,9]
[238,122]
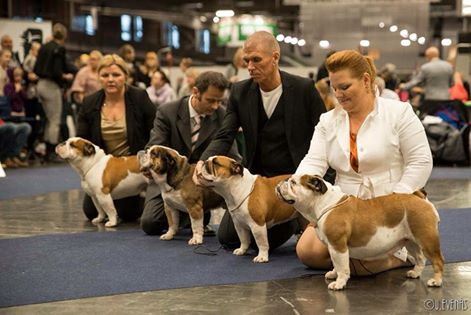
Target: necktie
[195,130]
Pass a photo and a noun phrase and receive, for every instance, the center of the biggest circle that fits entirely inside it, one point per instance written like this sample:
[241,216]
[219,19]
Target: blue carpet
[69,266]
[27,182]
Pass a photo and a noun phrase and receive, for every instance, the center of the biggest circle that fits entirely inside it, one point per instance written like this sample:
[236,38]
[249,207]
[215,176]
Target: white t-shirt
[270,99]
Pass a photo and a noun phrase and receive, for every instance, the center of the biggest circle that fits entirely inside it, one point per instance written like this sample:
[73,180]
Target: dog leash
[243,200]
[206,251]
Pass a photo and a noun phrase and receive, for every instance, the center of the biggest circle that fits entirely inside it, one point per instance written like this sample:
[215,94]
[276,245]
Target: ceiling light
[393,28]
[404,33]
[421,40]
[294,40]
[224,13]
[324,44]
[413,37]
[381,24]
[216,19]
[365,43]
[287,39]
[446,42]
[405,42]
[280,37]
[301,42]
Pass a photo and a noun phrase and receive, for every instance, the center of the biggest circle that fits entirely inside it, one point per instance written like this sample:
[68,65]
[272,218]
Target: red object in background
[404,96]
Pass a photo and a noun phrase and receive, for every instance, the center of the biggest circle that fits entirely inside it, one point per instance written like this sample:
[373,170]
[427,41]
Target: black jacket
[302,109]
[140,113]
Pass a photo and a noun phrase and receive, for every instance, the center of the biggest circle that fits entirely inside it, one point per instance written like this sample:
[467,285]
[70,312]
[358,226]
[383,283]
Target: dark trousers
[154,221]
[129,209]
[277,235]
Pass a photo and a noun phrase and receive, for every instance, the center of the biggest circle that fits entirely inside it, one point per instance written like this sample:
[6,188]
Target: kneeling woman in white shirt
[377,146]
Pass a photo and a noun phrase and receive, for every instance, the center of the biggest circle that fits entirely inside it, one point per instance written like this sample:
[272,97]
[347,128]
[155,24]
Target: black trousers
[154,221]
[129,209]
[277,235]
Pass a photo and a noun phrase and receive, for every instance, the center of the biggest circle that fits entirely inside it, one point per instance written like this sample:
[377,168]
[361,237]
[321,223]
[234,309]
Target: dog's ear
[88,149]
[169,160]
[237,169]
[317,184]
[153,153]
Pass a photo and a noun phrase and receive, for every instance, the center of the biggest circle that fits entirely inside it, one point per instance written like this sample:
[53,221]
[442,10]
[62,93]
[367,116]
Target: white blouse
[393,151]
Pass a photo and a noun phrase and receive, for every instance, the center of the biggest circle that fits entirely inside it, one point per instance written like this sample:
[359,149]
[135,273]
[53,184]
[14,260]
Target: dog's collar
[243,200]
[340,202]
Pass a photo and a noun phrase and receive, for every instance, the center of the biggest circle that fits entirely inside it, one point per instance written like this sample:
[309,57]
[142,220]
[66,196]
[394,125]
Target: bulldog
[251,201]
[173,174]
[103,176]
[367,229]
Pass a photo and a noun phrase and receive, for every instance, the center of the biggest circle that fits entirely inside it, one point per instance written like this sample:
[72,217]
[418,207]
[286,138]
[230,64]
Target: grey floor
[386,293]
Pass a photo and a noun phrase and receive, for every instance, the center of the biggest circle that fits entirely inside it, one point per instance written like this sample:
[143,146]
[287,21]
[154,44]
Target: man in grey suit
[435,75]
[172,128]
[277,112]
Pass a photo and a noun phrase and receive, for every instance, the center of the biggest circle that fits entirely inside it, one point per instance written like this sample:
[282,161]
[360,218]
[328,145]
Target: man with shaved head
[277,112]
[435,75]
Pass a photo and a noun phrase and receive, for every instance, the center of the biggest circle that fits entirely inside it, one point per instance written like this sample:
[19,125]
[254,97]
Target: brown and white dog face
[159,161]
[75,148]
[221,168]
[301,188]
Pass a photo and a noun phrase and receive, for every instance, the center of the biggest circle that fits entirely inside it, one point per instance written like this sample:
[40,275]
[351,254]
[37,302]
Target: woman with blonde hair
[118,118]
[377,146]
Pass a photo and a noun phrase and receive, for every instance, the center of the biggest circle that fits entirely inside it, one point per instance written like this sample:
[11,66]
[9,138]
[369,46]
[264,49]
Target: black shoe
[208,231]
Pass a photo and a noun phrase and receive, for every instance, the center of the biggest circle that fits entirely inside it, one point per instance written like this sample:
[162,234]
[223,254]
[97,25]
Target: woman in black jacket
[118,118]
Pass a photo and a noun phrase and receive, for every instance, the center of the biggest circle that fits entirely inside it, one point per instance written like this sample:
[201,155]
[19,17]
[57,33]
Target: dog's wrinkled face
[300,188]
[75,148]
[159,160]
[221,168]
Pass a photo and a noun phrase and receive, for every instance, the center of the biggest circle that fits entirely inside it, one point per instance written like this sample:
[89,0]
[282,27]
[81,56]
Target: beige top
[114,134]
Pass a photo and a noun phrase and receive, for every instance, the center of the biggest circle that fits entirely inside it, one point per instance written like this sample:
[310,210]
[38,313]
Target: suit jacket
[302,109]
[393,151]
[172,128]
[436,77]
[140,113]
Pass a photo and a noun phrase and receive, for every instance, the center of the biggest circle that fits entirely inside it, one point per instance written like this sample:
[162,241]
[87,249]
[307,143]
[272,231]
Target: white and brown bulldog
[367,229]
[173,174]
[251,201]
[103,176]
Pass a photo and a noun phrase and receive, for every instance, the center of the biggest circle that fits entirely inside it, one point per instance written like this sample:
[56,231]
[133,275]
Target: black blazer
[140,113]
[172,129]
[302,109]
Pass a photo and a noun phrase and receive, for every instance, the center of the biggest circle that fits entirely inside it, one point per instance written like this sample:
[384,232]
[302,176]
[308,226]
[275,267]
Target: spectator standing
[435,75]
[54,72]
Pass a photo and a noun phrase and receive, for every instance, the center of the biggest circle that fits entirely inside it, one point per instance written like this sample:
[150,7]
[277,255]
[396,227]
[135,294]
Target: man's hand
[197,177]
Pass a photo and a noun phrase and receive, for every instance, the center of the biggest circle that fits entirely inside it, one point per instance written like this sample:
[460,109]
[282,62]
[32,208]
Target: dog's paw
[434,282]
[260,259]
[166,237]
[239,252]
[111,223]
[331,275]
[413,274]
[195,240]
[98,220]
[336,285]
